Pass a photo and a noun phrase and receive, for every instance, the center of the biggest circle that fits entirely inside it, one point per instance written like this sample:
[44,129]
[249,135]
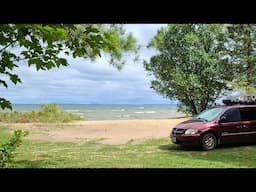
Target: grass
[153,153]
[48,113]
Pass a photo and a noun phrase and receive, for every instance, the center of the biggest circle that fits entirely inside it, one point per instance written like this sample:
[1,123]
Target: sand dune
[109,132]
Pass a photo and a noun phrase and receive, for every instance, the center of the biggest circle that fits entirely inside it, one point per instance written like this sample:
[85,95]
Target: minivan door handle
[239,126]
[245,126]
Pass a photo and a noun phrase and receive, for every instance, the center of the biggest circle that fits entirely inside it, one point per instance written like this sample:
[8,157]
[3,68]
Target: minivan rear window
[248,114]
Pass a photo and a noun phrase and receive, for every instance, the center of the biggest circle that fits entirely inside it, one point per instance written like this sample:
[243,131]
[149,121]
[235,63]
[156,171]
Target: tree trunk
[193,107]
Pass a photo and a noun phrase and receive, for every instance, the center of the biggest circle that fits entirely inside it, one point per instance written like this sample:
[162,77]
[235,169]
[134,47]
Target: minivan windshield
[209,114]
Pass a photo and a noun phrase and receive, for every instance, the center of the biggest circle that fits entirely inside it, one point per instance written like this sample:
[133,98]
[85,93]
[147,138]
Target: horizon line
[95,103]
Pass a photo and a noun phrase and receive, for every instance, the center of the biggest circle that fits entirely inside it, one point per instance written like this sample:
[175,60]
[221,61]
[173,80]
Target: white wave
[71,110]
[139,112]
[79,113]
[118,110]
[141,107]
[150,111]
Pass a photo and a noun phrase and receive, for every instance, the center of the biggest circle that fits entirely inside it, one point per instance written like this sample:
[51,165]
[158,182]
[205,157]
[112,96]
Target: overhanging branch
[8,45]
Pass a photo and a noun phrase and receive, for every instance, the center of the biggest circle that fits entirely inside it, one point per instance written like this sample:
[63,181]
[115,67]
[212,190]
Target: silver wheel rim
[209,142]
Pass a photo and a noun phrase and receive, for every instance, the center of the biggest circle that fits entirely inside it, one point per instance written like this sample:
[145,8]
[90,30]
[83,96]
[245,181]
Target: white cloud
[89,82]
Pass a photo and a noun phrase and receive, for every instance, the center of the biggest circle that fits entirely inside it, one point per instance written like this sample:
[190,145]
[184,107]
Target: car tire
[208,141]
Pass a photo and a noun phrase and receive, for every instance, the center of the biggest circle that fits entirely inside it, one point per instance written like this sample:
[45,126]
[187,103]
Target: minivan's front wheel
[208,141]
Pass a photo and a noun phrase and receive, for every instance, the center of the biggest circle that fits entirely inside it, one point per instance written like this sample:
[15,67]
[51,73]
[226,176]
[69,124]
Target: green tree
[190,64]
[42,46]
[241,47]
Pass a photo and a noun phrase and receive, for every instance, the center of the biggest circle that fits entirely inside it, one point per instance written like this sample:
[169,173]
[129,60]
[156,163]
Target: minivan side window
[232,115]
[248,114]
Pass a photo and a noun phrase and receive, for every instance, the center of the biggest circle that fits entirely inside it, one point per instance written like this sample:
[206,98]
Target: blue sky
[89,82]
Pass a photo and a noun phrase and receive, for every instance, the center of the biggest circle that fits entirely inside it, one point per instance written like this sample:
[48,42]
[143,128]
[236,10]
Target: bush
[48,113]
[7,149]
[50,108]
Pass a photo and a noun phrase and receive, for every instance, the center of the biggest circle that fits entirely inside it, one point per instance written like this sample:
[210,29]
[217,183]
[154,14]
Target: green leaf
[5,104]
[62,61]
[14,78]
[48,28]
[62,33]
[4,83]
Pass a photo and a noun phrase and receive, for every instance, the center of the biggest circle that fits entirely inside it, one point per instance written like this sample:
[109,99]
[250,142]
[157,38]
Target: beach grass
[50,113]
[153,153]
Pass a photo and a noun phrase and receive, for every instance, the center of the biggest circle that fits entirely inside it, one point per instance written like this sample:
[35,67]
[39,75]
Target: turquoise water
[110,112]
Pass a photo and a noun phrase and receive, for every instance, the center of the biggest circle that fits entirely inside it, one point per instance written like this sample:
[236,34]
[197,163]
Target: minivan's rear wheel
[209,141]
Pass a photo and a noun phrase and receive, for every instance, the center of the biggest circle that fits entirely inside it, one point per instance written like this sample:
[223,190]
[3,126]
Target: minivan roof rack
[229,102]
[241,100]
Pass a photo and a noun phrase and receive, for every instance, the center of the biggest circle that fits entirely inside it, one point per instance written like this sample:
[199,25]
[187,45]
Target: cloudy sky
[90,83]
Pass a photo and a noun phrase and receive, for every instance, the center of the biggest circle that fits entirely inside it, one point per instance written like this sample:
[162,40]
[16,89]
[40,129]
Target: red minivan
[221,125]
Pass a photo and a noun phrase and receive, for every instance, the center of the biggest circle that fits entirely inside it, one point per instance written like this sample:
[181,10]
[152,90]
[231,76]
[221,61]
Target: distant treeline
[48,113]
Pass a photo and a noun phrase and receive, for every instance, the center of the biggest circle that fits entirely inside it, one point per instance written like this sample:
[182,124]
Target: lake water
[110,112]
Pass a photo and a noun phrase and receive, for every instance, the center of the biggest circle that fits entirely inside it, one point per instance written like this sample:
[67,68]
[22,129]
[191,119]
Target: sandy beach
[112,132]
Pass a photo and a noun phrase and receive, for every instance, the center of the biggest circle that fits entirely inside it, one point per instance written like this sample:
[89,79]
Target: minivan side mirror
[222,119]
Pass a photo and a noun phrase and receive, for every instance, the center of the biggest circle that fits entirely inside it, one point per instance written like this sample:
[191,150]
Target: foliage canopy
[45,46]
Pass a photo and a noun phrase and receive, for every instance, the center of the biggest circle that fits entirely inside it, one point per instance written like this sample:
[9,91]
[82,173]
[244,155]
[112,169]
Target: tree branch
[8,45]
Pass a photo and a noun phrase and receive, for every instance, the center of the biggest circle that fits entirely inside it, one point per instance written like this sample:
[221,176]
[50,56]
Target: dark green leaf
[5,104]
[15,79]
[4,83]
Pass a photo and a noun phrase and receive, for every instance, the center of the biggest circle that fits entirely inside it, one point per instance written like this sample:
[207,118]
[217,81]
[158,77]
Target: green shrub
[50,108]
[48,113]
[7,149]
